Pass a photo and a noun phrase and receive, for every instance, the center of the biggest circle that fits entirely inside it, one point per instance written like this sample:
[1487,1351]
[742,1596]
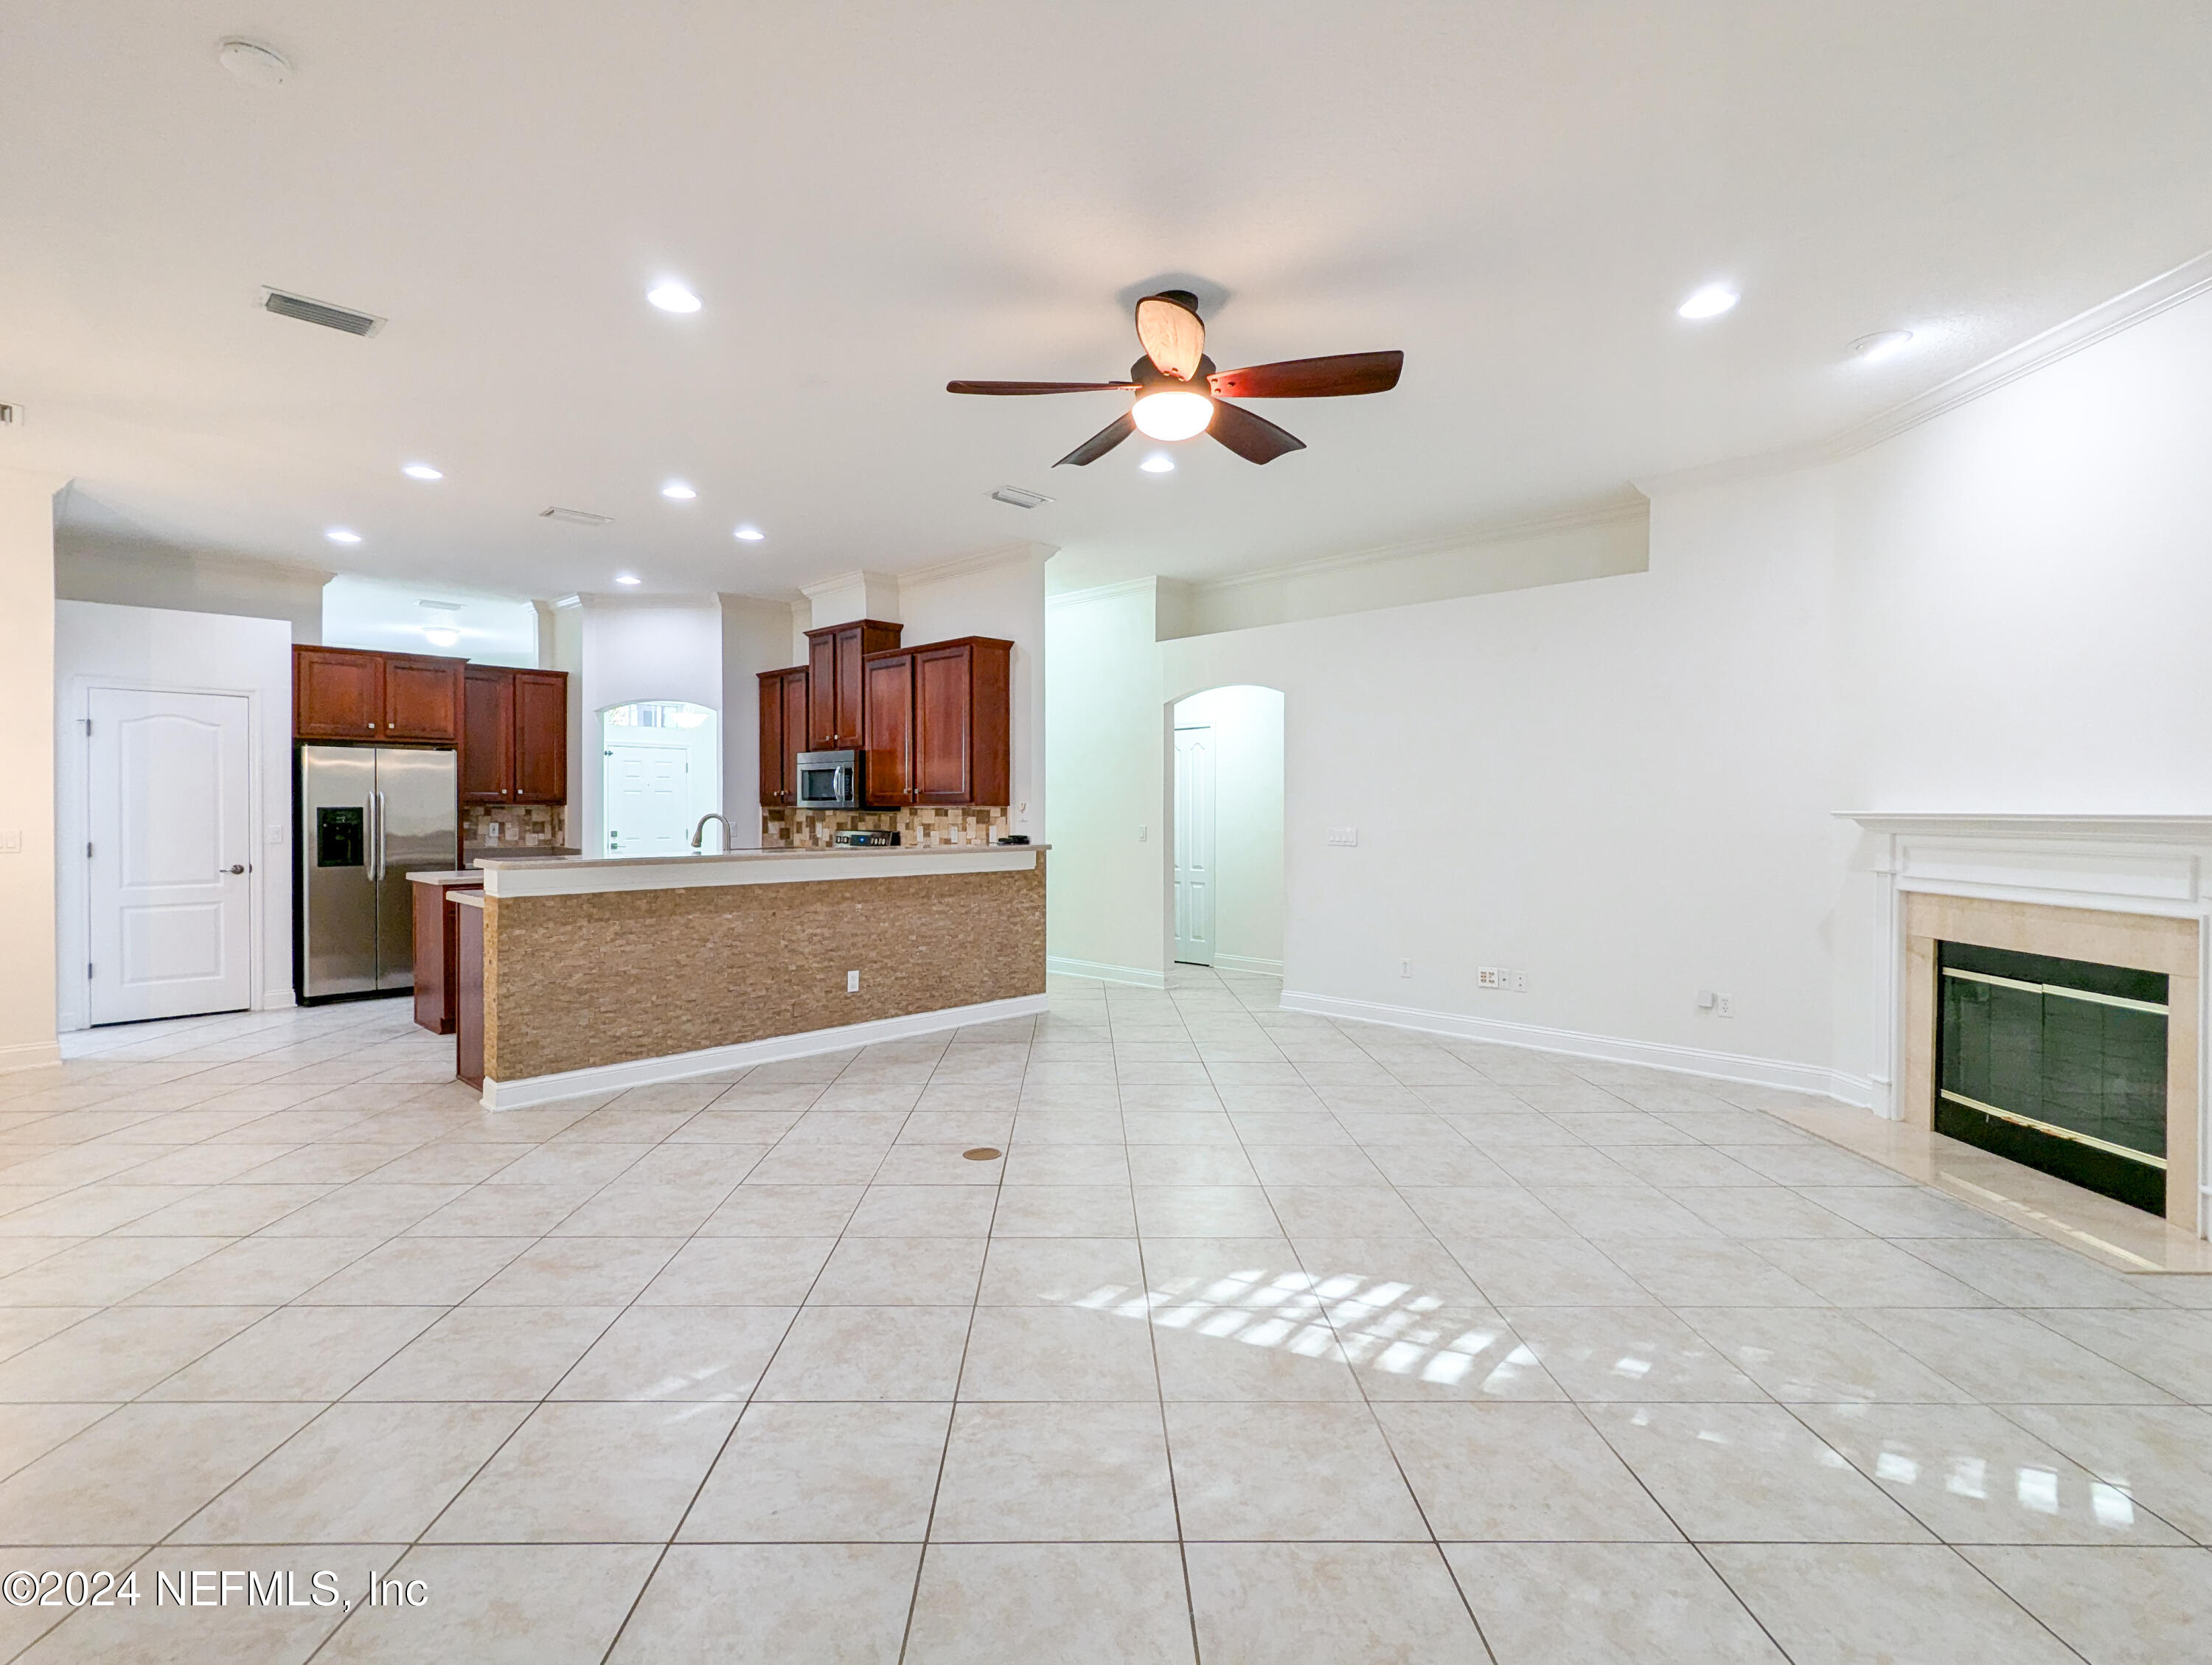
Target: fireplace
[2057,1063]
[2046,980]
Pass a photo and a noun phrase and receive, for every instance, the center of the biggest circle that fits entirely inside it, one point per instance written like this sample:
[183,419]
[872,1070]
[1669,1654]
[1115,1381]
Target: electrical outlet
[852,982]
[1520,982]
[1144,834]
[1723,1005]
[11,843]
[1404,967]
[1344,835]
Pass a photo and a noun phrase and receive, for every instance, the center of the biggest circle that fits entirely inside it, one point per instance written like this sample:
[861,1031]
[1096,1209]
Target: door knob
[238,866]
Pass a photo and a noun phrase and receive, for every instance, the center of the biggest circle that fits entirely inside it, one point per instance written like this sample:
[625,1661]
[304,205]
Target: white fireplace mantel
[2129,863]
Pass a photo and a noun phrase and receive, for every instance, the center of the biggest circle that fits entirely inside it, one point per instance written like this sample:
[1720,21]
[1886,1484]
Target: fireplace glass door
[2059,1064]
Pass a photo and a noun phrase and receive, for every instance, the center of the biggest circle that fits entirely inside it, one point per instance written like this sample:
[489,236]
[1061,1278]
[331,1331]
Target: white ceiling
[874,198]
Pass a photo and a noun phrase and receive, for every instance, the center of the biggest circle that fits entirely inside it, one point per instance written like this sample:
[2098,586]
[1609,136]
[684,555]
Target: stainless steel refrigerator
[368,816]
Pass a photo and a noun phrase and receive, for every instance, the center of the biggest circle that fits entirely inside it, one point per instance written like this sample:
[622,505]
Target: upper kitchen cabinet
[514,740]
[338,694]
[422,698]
[836,719]
[783,718]
[938,722]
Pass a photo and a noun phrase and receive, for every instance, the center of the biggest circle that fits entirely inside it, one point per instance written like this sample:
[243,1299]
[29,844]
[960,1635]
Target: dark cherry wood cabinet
[939,722]
[338,694]
[783,716]
[541,736]
[835,705]
[352,694]
[422,698]
[514,736]
[887,759]
[486,735]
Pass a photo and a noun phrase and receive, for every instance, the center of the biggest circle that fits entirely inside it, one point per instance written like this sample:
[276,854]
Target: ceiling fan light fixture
[1172,413]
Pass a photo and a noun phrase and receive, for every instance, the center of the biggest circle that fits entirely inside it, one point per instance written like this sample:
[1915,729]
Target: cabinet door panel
[887,766]
[847,672]
[796,702]
[822,648]
[541,736]
[487,735]
[771,738]
[336,694]
[944,715]
[421,698]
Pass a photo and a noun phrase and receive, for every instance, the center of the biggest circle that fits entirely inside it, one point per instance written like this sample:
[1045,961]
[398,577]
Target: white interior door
[170,852]
[648,799]
[1194,845]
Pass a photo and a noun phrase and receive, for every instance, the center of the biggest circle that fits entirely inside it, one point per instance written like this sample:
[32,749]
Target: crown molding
[1103,592]
[2101,322]
[846,581]
[1002,554]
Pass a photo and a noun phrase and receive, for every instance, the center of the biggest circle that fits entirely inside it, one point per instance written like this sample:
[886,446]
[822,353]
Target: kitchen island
[601,975]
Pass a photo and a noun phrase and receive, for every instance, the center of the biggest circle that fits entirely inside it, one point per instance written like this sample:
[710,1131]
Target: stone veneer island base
[604,975]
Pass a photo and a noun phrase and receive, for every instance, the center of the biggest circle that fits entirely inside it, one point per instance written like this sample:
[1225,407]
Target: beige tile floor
[1269,1339]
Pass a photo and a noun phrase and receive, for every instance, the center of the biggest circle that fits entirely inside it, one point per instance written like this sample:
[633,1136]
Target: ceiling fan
[1181,395]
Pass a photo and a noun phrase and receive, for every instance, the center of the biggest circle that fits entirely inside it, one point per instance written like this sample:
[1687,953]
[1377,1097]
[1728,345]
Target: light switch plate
[11,843]
[1344,835]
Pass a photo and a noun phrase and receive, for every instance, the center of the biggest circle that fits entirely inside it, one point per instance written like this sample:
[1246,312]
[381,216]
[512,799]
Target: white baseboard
[681,1065]
[29,1055]
[1248,962]
[1103,973]
[1651,1054]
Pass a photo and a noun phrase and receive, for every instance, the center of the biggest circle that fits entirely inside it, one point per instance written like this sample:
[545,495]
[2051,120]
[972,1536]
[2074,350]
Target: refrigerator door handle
[375,835]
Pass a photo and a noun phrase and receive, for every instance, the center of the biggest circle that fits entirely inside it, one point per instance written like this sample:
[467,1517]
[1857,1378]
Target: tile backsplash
[520,826]
[811,829]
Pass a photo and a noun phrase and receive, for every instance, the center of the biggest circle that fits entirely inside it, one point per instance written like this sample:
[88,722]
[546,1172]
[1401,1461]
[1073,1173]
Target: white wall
[91,565]
[631,648]
[27,769]
[756,637]
[1246,726]
[99,645]
[1003,596]
[1627,787]
[389,616]
[1106,894]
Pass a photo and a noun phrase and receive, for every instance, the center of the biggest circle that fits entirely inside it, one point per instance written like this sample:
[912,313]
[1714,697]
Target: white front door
[1194,845]
[648,799]
[167,868]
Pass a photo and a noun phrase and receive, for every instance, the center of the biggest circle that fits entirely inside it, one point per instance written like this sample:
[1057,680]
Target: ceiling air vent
[320,312]
[1019,497]
[574,517]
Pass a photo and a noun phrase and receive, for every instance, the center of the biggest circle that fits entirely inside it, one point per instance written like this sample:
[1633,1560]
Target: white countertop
[581,876]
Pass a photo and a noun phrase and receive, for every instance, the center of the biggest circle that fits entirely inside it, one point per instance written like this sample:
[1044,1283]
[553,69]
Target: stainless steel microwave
[829,781]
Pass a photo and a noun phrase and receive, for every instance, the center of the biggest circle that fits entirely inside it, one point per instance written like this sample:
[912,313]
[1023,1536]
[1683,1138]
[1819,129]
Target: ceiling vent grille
[320,312]
[575,517]
[1019,497]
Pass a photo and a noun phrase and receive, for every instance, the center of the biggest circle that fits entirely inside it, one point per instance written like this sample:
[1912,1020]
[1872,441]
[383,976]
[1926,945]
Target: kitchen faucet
[699,832]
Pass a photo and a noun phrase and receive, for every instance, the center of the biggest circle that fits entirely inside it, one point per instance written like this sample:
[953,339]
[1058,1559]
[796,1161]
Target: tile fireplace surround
[2131,890]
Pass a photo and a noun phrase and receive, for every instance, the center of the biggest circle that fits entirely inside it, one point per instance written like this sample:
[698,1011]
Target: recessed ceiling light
[672,297]
[1710,302]
[1881,345]
[422,471]
[342,535]
[676,491]
[628,578]
[749,533]
[441,638]
[255,65]
[1158,462]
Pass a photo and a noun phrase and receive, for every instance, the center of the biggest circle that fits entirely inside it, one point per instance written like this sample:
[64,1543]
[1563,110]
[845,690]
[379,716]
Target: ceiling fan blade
[1038,386]
[1173,335]
[1254,439]
[1101,442]
[1312,378]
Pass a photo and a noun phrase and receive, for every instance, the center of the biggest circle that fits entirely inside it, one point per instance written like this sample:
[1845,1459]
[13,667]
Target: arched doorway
[660,770]
[1226,825]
